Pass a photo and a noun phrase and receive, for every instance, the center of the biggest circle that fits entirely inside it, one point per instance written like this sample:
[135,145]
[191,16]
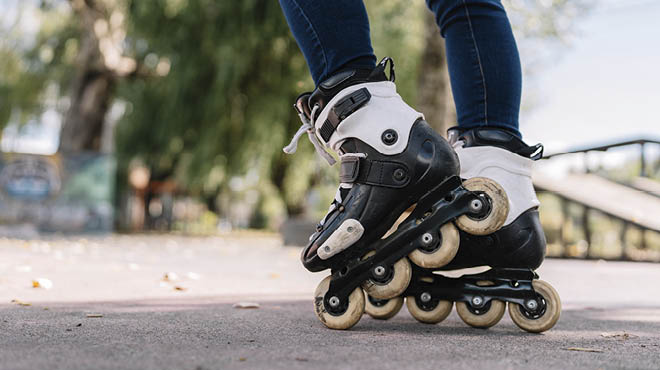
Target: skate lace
[458,144]
[308,126]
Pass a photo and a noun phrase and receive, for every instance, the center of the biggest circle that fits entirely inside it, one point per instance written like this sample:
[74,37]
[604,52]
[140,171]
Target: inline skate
[391,160]
[512,253]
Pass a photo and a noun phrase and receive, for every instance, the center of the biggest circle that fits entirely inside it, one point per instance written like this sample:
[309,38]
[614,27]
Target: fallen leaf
[42,283]
[242,359]
[179,288]
[246,305]
[170,276]
[94,315]
[301,359]
[618,335]
[20,303]
[580,349]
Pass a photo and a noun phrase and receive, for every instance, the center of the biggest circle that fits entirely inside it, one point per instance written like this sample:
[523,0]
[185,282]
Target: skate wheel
[352,312]
[431,313]
[537,323]
[392,287]
[383,309]
[440,254]
[485,317]
[499,207]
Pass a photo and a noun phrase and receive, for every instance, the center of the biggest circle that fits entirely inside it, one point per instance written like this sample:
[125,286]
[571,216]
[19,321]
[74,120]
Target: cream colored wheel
[351,311]
[440,251]
[499,207]
[383,309]
[431,314]
[392,286]
[484,317]
[547,318]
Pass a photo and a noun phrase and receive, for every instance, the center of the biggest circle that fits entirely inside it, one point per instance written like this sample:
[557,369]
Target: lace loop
[308,126]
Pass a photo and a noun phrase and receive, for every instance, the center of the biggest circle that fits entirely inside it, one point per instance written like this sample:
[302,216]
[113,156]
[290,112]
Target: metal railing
[586,215]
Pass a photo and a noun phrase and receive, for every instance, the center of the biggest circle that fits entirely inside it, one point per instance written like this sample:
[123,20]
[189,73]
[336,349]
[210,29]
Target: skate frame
[440,205]
[505,284]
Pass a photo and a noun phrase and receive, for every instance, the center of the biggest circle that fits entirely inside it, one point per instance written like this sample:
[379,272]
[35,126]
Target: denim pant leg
[483,61]
[332,34]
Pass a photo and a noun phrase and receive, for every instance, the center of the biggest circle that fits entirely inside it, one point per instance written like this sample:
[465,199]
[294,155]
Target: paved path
[147,323]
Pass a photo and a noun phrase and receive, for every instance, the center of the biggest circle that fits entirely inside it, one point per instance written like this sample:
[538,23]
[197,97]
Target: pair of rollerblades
[405,210]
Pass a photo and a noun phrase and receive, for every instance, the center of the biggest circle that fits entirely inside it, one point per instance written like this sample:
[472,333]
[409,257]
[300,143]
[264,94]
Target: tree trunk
[434,97]
[92,88]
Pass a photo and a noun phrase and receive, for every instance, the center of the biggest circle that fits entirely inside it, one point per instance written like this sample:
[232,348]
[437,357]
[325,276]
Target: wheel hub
[483,307]
[381,274]
[479,208]
[425,297]
[334,302]
[477,301]
[534,308]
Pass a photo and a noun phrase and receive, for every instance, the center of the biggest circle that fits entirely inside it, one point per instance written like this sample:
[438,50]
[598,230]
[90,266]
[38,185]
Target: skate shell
[499,207]
[434,316]
[445,252]
[549,318]
[394,287]
[346,320]
[385,311]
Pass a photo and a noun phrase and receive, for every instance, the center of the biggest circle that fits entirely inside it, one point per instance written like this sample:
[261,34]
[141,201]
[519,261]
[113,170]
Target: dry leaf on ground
[246,305]
[580,349]
[618,335]
[20,303]
[170,276]
[42,283]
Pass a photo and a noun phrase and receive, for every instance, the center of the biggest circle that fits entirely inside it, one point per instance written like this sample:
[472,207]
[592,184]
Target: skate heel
[486,214]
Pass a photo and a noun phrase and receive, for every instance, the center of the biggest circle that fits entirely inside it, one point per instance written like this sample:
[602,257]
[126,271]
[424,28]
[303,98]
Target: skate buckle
[344,108]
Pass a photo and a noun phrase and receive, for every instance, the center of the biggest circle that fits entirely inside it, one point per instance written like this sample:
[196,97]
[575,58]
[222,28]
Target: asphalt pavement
[168,302]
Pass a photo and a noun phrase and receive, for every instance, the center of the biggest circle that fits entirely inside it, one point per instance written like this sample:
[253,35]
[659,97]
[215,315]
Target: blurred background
[169,116]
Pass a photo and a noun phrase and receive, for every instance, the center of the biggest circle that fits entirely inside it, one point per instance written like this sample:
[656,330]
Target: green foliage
[397,30]
[34,72]
[225,104]
[211,98]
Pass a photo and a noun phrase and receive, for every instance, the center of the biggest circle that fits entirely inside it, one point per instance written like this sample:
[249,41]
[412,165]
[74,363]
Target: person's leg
[483,61]
[485,72]
[333,35]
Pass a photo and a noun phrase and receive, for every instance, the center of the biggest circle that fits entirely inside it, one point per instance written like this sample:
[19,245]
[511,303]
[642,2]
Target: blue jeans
[482,56]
